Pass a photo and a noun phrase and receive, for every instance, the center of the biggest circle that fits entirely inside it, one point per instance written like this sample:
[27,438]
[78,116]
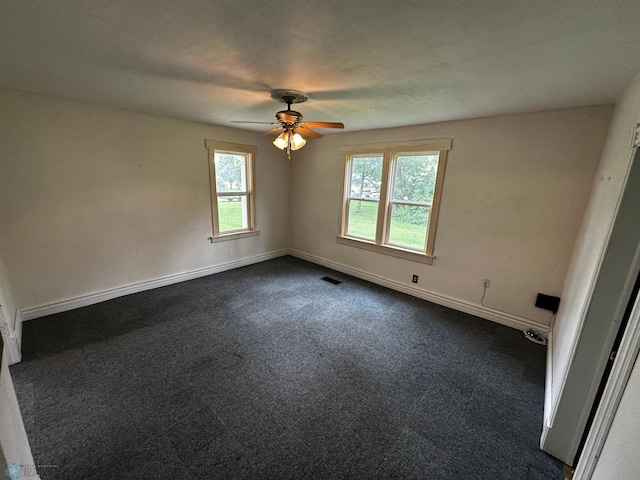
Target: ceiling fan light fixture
[282,140]
[297,142]
[289,121]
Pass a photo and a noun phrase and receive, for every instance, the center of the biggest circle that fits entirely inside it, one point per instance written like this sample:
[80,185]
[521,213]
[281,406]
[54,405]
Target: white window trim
[387,150]
[251,151]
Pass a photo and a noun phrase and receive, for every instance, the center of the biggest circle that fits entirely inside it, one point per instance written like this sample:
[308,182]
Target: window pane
[366,177]
[408,226]
[363,216]
[414,178]
[232,213]
[231,172]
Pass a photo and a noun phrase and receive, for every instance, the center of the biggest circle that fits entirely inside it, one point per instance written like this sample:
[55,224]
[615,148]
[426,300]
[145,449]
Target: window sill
[387,250]
[233,236]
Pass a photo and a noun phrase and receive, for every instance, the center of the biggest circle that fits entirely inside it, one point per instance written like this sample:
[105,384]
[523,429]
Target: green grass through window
[362,224]
[229,216]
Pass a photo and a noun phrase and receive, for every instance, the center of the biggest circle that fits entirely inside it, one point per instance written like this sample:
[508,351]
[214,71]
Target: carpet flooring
[270,372]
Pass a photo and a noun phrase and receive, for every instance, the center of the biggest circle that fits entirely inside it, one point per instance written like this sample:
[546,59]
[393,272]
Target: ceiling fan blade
[308,132]
[324,124]
[272,131]
[264,123]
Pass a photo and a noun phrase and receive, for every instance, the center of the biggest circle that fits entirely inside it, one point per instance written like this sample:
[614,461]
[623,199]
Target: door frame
[612,395]
[9,337]
[623,363]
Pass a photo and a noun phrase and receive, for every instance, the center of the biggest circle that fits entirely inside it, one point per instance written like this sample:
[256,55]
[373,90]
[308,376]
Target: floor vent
[331,280]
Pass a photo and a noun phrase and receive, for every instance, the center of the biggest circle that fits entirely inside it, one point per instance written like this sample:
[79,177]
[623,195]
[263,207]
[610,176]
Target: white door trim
[11,343]
[620,372]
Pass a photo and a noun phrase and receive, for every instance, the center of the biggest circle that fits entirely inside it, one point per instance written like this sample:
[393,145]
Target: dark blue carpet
[269,372]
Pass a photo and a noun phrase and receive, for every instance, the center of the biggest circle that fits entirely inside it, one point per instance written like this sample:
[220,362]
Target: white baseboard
[548,381]
[97,297]
[497,316]
[548,391]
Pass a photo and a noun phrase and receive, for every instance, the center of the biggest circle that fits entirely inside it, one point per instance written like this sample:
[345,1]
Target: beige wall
[619,457]
[585,329]
[514,194]
[94,198]
[595,228]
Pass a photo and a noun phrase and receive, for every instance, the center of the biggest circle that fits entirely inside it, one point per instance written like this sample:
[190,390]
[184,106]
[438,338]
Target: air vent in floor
[331,280]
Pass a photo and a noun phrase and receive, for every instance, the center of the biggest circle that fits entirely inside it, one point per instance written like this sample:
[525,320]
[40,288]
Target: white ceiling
[367,63]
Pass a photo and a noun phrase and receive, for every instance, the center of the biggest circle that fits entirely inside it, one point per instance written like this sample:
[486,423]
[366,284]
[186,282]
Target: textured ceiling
[369,64]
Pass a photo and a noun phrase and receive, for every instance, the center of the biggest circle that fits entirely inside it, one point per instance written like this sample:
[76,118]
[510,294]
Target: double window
[391,196]
[231,168]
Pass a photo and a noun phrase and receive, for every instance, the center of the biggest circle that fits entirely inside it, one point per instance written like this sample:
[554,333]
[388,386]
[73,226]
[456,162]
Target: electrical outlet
[485,283]
[414,279]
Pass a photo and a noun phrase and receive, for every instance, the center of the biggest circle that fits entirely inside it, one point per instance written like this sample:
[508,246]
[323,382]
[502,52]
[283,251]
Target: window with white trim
[231,172]
[391,197]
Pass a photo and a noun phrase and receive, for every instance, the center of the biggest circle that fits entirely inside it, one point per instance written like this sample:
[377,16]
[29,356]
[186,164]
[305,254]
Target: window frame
[389,152]
[250,151]
[348,198]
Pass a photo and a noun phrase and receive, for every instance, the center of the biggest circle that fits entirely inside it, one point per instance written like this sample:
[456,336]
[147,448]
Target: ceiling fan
[289,123]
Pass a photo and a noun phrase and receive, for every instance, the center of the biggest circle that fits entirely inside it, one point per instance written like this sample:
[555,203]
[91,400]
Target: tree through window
[364,196]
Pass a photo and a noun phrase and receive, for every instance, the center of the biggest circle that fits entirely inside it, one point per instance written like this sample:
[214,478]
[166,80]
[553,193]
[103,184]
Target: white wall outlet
[485,283]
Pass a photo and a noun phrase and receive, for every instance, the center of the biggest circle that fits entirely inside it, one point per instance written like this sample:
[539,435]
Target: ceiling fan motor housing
[290,117]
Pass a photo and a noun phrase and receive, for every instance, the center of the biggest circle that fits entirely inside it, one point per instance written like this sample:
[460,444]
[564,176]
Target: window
[391,195]
[232,189]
